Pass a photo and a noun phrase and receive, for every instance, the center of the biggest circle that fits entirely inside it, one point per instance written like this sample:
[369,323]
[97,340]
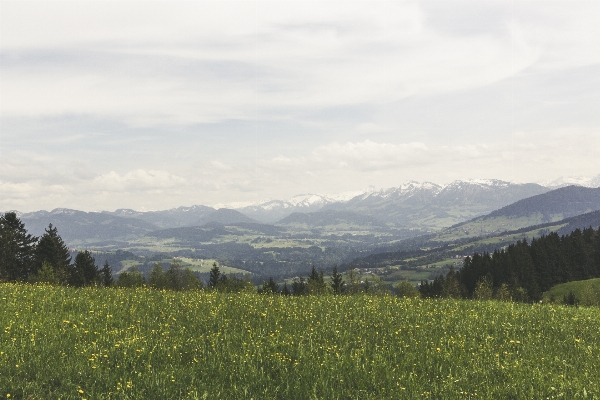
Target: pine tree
[174,276]
[316,282]
[285,291]
[85,272]
[215,276]
[52,249]
[16,248]
[271,286]
[451,287]
[106,275]
[337,281]
[157,277]
[299,286]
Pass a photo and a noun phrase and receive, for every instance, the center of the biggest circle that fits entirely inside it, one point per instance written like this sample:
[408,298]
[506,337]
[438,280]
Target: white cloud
[138,180]
[115,104]
[368,155]
[207,62]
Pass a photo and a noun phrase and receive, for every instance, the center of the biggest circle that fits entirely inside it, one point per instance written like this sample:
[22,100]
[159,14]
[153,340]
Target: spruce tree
[174,276]
[85,272]
[52,249]
[16,248]
[272,286]
[215,276]
[106,275]
[337,281]
[157,277]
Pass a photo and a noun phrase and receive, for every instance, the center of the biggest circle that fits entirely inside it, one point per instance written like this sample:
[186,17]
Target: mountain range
[462,216]
[418,206]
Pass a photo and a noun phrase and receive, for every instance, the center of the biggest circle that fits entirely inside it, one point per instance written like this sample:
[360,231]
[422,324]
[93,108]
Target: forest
[523,271]
[520,272]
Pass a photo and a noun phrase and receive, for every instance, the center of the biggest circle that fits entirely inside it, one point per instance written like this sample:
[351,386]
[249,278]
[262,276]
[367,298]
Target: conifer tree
[84,271]
[16,248]
[174,276]
[271,286]
[106,275]
[52,249]
[157,277]
[316,282]
[215,276]
[337,281]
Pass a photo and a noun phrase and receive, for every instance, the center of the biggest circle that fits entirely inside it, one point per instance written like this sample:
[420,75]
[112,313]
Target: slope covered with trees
[523,271]
[25,258]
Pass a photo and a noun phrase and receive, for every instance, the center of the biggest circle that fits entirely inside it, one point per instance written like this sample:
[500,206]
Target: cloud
[138,180]
[223,62]
[106,104]
[368,155]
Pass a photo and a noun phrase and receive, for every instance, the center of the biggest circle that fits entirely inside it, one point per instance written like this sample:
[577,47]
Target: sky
[159,104]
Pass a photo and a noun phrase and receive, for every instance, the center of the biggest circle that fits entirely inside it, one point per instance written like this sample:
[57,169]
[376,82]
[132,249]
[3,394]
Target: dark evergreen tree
[285,291]
[316,282]
[337,281]
[270,287]
[52,250]
[452,287]
[174,276]
[299,286]
[215,276]
[85,272]
[16,248]
[106,275]
[157,278]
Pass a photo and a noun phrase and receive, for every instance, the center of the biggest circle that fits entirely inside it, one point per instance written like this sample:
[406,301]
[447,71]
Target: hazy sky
[153,105]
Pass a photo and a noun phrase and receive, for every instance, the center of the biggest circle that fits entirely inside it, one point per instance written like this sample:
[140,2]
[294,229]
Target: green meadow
[97,343]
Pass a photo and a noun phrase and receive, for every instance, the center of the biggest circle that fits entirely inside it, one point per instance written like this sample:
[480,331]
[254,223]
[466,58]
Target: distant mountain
[80,228]
[224,216]
[331,219]
[556,204]
[173,218]
[490,193]
[413,204]
[574,180]
[430,206]
[552,206]
[274,210]
[580,222]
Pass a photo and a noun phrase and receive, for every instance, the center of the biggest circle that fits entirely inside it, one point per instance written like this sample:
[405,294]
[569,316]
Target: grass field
[587,291]
[58,342]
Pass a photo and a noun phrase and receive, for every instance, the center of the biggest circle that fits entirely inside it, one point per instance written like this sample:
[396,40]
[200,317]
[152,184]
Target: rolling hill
[552,206]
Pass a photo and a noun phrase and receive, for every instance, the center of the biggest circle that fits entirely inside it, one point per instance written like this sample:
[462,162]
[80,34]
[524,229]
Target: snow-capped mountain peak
[574,180]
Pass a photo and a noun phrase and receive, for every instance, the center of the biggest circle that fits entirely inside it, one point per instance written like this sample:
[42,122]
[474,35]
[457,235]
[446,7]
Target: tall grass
[119,343]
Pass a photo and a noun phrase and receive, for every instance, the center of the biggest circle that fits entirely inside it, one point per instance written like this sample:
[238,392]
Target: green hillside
[587,292]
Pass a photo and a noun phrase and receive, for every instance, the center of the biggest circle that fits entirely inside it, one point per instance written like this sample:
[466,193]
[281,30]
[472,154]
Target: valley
[414,232]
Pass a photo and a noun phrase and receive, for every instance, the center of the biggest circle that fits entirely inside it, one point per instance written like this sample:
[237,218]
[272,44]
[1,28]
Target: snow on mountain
[405,190]
[347,196]
[568,180]
[563,181]
[594,182]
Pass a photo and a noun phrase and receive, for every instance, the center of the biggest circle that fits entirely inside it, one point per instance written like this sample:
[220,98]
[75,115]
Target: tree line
[522,271]
[26,258]
[519,272]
